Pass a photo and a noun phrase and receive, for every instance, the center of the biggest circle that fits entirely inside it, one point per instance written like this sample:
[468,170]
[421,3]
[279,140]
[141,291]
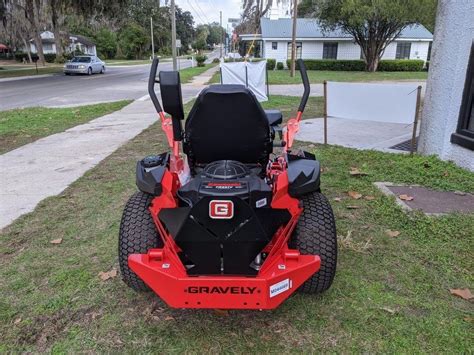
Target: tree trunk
[39,47]
[27,48]
[372,63]
[56,30]
[30,15]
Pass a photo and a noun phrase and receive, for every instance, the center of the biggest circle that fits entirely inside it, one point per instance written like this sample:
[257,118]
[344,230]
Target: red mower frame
[282,272]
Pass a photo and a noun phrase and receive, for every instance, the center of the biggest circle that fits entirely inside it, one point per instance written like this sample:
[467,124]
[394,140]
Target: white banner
[372,102]
[251,75]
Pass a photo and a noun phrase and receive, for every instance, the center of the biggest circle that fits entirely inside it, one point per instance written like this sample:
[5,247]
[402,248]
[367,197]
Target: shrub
[331,64]
[216,60]
[359,65]
[401,65]
[20,55]
[427,65]
[271,64]
[200,59]
[50,57]
[280,66]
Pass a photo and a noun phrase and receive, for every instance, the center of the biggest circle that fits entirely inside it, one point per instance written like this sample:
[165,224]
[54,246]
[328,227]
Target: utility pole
[293,39]
[222,36]
[173,35]
[152,39]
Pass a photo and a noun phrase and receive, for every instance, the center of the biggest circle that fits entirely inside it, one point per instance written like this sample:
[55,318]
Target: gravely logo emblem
[235,290]
[221,209]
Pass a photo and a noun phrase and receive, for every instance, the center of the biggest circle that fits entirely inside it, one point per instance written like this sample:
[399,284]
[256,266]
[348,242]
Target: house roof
[84,40]
[309,28]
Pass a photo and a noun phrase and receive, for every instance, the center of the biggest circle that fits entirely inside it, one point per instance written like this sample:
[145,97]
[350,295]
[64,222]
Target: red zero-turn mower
[233,225]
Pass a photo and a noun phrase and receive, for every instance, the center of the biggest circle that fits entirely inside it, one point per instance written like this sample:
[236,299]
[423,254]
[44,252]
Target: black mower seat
[227,123]
[274,117]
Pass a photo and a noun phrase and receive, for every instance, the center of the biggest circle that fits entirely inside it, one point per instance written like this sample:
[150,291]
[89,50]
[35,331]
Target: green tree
[133,41]
[106,42]
[216,32]
[373,23]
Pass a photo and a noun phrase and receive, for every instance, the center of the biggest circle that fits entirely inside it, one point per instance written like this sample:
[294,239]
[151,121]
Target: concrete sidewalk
[49,165]
[358,134]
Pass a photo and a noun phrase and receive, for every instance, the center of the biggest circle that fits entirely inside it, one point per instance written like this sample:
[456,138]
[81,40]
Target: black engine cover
[224,246]
[227,178]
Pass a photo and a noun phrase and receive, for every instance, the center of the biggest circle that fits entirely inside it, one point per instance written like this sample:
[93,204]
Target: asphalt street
[118,83]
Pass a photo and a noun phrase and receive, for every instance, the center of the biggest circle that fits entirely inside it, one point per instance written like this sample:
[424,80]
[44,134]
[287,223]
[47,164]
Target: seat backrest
[227,123]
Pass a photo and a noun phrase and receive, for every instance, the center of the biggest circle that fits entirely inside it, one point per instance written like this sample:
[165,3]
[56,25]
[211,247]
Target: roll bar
[151,85]
[307,87]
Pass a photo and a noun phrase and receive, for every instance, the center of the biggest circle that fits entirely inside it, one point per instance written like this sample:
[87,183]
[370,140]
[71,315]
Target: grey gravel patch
[429,201]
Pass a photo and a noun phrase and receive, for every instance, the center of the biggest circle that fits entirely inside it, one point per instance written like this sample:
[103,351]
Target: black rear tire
[137,235]
[315,234]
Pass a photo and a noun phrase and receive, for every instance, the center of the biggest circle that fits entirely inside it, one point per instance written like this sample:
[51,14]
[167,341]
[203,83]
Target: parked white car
[84,64]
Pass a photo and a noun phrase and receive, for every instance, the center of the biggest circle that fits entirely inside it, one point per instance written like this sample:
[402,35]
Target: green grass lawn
[187,75]
[318,76]
[390,294]
[22,126]
[8,72]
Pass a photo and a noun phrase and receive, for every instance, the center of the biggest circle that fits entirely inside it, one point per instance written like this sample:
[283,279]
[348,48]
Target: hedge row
[271,64]
[359,65]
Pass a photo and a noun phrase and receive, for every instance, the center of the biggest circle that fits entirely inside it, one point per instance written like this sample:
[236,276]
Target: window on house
[403,50]
[274,45]
[298,50]
[464,135]
[329,50]
[47,47]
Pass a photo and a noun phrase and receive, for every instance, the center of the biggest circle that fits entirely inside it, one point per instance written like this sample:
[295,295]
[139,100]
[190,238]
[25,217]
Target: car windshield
[81,60]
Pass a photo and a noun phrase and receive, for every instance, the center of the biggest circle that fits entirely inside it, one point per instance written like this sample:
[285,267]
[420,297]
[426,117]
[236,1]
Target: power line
[199,7]
[196,13]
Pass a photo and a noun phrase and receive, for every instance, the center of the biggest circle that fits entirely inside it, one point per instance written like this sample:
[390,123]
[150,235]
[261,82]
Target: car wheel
[102,71]
[89,71]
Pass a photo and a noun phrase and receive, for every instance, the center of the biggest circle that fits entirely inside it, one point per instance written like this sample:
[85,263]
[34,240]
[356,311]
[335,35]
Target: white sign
[178,43]
[280,287]
[394,103]
[252,75]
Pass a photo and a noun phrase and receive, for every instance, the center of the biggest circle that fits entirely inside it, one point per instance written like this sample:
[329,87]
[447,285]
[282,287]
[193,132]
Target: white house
[313,43]
[76,42]
[447,125]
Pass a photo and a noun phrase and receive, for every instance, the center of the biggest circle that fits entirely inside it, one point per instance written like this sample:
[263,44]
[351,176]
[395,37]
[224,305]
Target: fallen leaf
[464,293]
[169,318]
[445,173]
[369,198]
[460,193]
[352,207]
[355,195]
[469,319]
[337,199]
[278,331]
[16,321]
[405,197]
[56,241]
[104,276]
[389,310]
[221,312]
[356,172]
[392,233]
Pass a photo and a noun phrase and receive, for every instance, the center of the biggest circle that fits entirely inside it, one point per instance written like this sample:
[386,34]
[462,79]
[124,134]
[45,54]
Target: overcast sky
[205,11]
